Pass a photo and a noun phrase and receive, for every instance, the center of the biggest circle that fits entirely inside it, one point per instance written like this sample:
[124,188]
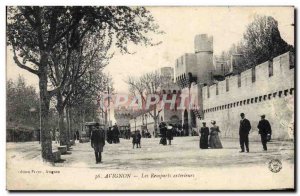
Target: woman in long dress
[163,133]
[169,134]
[214,140]
[204,132]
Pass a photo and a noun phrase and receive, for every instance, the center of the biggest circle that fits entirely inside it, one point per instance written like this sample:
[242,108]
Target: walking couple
[264,128]
[213,141]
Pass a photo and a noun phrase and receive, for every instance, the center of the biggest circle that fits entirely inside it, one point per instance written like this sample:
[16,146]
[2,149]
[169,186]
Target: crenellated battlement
[264,78]
[196,67]
[268,89]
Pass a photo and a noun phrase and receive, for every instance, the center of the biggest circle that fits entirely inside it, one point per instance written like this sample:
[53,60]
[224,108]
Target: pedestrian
[74,137]
[135,139]
[125,134]
[214,140]
[128,134]
[98,142]
[244,130]
[77,135]
[169,134]
[174,130]
[265,130]
[57,136]
[143,133]
[116,134]
[204,132]
[163,133]
[138,139]
[109,135]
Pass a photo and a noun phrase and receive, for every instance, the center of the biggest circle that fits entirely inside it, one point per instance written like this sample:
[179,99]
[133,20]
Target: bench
[56,156]
[84,140]
[62,149]
[72,142]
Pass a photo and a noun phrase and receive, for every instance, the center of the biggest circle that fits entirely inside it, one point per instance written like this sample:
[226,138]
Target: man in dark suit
[245,128]
[264,128]
[98,142]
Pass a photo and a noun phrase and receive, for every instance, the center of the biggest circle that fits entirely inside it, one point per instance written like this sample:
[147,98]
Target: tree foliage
[145,85]
[261,42]
[32,29]
[22,104]
[47,38]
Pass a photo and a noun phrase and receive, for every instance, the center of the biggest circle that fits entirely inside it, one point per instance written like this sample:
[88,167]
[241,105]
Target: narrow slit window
[253,74]
[270,69]
[269,96]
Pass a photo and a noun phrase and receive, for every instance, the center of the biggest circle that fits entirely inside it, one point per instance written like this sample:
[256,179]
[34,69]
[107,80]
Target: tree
[149,83]
[34,32]
[22,104]
[84,99]
[91,55]
[262,41]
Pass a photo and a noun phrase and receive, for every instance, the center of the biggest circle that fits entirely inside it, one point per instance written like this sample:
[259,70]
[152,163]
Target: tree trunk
[155,127]
[69,131]
[61,124]
[155,117]
[83,120]
[46,142]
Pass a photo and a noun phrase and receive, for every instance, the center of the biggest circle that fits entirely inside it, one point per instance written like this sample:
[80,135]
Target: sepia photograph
[150,98]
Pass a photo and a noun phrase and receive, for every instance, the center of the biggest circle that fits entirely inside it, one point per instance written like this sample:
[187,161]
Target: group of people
[213,141]
[166,133]
[210,138]
[146,133]
[125,133]
[113,135]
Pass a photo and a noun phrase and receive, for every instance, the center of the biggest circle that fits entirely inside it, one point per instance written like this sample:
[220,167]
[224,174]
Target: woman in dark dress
[204,132]
[163,133]
[214,140]
[169,134]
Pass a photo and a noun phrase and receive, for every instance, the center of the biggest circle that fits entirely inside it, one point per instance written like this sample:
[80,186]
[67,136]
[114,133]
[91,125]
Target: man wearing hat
[264,128]
[245,128]
[98,141]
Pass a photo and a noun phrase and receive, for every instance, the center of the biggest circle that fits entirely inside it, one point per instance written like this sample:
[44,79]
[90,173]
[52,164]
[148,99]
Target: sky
[181,24]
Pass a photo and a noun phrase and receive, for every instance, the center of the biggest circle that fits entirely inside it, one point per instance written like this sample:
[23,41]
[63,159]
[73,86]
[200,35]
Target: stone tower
[204,55]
